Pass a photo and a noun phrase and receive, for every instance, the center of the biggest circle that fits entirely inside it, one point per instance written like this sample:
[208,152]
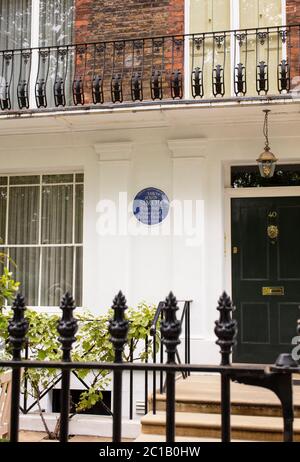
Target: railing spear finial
[118,326]
[170,327]
[226,328]
[18,327]
[67,326]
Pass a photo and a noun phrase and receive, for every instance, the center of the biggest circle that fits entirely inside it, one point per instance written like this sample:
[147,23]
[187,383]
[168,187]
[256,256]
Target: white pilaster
[189,278]
[113,253]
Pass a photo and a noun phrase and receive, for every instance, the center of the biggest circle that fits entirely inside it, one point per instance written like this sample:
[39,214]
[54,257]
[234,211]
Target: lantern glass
[266,168]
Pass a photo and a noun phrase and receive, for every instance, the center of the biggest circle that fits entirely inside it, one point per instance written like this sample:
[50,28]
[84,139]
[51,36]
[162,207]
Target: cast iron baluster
[61,68]
[118,329]
[240,84]
[117,72]
[5,85]
[17,329]
[156,85]
[218,82]
[24,76]
[261,80]
[79,74]
[146,374]
[170,332]
[176,80]
[131,382]
[161,378]
[98,73]
[189,333]
[284,76]
[42,77]
[67,328]
[283,68]
[198,46]
[262,68]
[137,70]
[226,331]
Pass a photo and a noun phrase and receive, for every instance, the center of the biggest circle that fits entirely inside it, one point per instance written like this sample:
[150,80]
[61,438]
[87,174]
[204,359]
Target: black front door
[265,276]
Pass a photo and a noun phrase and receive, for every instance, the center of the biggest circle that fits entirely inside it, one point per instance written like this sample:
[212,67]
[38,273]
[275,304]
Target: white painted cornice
[112,152]
[193,148]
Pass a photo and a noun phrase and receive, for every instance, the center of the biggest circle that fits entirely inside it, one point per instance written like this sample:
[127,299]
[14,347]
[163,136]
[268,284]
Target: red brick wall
[292,11]
[293,17]
[111,19]
[107,20]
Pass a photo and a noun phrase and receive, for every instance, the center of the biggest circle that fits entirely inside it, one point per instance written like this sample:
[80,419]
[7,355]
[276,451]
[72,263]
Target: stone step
[201,394]
[196,425]
[150,438]
[194,405]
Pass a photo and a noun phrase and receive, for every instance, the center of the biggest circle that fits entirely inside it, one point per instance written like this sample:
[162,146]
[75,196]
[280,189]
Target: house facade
[110,106]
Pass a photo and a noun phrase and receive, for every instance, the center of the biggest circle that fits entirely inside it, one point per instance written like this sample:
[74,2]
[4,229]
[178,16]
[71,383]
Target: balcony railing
[202,66]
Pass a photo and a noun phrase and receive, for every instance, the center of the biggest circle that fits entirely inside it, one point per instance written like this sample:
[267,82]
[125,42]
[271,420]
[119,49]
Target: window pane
[23,215]
[78,276]
[3,180]
[27,262]
[3,205]
[57,274]
[57,214]
[67,178]
[56,22]
[248,176]
[3,259]
[28,179]
[79,177]
[79,214]
[15,24]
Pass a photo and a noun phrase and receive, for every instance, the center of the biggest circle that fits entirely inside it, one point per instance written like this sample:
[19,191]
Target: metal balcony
[237,64]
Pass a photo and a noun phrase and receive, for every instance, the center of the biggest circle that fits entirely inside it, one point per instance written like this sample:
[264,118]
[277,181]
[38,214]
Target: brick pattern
[110,19]
[293,17]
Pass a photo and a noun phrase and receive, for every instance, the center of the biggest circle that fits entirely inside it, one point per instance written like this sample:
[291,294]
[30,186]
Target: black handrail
[184,322]
[151,68]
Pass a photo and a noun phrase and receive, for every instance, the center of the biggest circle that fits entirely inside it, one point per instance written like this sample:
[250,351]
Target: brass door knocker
[273,232]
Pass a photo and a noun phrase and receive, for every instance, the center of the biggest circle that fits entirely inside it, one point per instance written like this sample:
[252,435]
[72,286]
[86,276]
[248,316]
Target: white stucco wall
[186,153]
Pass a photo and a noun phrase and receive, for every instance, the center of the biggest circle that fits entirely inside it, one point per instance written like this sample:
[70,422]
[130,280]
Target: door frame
[230,193]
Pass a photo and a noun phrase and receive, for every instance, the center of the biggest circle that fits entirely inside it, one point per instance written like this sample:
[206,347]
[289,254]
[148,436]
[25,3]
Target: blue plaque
[151,206]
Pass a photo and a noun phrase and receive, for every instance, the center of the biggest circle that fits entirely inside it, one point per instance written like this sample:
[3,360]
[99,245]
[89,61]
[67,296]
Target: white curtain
[15,24]
[23,229]
[56,22]
[42,230]
[56,25]
[56,28]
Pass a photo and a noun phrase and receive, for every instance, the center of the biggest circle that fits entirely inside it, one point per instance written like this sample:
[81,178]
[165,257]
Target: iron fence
[214,65]
[153,339]
[277,378]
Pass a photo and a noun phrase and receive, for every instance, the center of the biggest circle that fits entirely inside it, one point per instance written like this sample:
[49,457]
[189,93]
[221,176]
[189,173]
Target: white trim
[229,193]
[187,9]
[118,151]
[188,148]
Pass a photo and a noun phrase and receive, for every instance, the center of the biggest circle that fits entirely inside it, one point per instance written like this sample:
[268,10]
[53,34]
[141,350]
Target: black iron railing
[277,378]
[157,339]
[235,63]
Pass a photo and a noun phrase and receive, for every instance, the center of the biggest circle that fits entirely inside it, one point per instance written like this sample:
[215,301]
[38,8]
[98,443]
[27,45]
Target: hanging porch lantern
[267,160]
